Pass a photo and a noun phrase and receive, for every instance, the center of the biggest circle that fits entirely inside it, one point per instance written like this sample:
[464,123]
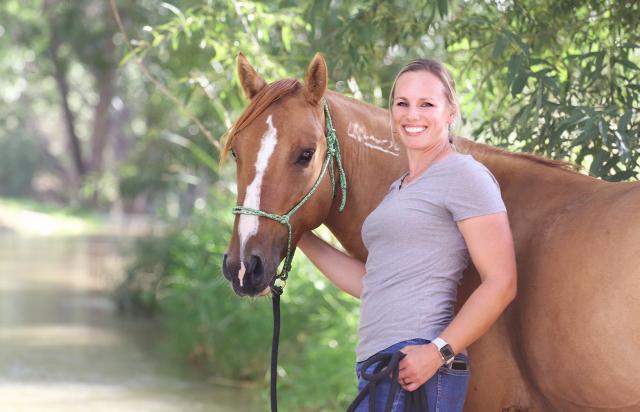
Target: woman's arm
[344,271]
[491,249]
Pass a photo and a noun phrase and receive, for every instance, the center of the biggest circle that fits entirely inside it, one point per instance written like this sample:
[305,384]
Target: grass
[28,217]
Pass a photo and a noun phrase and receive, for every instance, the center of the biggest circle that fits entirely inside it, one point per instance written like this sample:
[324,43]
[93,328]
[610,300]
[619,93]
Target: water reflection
[62,348]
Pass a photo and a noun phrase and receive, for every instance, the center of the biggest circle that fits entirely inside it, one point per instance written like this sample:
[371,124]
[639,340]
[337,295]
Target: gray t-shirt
[417,254]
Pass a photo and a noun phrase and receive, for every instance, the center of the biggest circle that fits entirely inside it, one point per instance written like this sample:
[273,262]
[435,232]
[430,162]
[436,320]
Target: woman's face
[421,112]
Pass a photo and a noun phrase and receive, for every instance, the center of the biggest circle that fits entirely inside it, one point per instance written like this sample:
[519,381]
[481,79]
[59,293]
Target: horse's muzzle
[247,279]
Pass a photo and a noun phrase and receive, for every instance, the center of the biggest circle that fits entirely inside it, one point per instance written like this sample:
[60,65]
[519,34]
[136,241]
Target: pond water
[64,348]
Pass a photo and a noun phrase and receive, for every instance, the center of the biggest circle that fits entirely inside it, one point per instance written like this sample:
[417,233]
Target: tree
[70,38]
[555,78]
[80,121]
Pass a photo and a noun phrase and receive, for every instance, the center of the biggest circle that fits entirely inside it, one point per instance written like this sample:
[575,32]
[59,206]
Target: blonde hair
[437,69]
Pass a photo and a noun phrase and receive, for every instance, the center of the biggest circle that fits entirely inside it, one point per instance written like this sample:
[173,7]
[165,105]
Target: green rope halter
[333,152]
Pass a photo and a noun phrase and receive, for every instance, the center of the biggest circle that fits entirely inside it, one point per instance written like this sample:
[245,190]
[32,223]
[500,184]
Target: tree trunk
[60,75]
[104,80]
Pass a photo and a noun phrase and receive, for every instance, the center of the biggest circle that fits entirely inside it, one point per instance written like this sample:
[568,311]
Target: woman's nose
[412,112]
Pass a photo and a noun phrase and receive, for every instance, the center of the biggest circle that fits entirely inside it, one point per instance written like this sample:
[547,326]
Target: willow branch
[245,24]
[157,82]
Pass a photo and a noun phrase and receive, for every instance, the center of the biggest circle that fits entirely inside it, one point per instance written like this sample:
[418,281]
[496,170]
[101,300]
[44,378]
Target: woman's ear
[453,114]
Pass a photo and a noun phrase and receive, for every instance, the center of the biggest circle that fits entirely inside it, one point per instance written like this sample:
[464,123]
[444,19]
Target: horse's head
[279,147]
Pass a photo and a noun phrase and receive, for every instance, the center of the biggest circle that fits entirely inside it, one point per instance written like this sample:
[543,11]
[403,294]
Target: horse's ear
[315,81]
[250,80]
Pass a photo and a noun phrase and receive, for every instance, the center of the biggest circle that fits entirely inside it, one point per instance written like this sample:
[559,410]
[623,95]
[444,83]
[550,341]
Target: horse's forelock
[261,101]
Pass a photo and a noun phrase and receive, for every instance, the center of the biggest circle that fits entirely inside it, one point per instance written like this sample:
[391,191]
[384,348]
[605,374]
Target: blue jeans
[445,391]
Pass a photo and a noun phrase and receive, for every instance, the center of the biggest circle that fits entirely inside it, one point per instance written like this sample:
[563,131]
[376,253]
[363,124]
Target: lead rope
[276,291]
[333,153]
[388,366]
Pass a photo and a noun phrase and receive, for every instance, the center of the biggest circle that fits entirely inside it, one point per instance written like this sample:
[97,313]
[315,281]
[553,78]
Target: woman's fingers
[408,385]
[403,383]
[411,387]
[406,380]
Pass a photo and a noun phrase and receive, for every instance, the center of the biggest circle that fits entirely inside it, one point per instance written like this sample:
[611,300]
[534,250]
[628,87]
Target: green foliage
[135,116]
[138,291]
[208,35]
[19,157]
[556,78]
[18,163]
[223,335]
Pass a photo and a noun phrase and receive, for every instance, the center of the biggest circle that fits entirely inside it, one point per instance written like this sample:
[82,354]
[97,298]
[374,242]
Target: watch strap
[445,350]
[439,342]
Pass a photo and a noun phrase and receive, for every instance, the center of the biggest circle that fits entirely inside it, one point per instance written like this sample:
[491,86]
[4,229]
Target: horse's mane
[260,102]
[483,149]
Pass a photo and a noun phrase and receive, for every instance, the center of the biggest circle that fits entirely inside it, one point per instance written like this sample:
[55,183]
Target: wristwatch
[445,350]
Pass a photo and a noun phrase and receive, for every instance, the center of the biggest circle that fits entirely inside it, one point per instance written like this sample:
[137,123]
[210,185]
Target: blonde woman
[445,209]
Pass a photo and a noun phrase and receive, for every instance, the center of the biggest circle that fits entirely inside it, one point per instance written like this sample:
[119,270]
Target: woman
[445,209]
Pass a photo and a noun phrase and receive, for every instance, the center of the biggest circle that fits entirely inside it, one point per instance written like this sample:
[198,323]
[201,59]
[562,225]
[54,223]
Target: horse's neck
[531,190]
[372,161]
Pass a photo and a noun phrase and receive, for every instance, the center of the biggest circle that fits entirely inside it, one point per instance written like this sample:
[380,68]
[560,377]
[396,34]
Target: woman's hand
[418,366]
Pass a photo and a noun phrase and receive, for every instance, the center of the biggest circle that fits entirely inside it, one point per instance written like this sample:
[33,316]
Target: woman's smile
[421,111]
[414,130]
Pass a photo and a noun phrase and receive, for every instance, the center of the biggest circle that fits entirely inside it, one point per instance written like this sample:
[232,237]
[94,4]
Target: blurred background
[114,212]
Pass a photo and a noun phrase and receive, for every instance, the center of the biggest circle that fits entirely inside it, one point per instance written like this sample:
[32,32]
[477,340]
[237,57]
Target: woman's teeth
[414,129]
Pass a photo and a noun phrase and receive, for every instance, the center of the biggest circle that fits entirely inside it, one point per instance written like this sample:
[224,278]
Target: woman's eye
[305,157]
[427,104]
[401,104]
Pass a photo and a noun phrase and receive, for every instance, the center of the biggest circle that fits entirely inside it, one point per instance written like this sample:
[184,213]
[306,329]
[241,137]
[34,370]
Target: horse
[570,339]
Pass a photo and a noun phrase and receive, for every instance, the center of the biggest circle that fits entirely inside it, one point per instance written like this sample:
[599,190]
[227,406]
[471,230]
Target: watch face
[447,353]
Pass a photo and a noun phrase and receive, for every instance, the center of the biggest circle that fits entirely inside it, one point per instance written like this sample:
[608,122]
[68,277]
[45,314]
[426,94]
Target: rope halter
[333,153]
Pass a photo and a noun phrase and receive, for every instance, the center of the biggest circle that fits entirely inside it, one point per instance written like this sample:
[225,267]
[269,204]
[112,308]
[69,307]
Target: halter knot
[283,219]
[331,147]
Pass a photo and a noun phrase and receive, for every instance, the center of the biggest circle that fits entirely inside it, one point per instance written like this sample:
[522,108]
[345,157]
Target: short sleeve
[474,192]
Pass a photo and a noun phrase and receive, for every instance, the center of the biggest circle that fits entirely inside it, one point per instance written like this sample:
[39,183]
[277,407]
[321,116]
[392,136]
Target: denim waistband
[415,341]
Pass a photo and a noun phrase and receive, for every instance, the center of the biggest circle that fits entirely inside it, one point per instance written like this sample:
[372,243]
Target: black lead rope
[388,367]
[276,291]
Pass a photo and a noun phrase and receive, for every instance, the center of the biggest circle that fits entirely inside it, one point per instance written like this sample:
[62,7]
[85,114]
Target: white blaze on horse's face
[248,225]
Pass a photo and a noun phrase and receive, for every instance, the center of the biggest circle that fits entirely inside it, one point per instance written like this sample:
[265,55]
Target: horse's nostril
[255,270]
[225,269]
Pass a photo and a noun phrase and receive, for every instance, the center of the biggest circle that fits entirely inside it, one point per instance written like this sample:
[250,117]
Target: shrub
[225,336]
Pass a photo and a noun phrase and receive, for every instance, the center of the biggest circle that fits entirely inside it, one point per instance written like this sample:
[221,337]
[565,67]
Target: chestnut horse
[570,340]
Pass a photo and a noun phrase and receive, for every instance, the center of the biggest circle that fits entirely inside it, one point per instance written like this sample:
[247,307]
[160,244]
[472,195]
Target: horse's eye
[305,157]
[234,155]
